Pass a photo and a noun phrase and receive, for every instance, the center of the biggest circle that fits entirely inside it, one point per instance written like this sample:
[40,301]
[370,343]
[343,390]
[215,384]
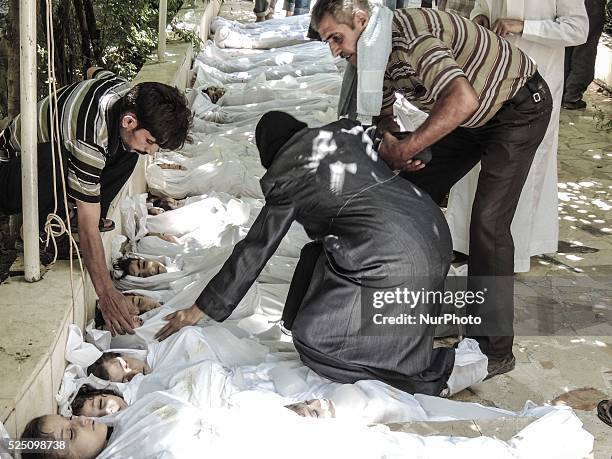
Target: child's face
[145,268]
[123,369]
[143,303]
[85,438]
[102,405]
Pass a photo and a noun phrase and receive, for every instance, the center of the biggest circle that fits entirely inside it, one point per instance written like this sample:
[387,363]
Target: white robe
[549,26]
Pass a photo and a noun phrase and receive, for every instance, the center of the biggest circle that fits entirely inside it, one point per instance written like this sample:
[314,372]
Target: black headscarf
[272,132]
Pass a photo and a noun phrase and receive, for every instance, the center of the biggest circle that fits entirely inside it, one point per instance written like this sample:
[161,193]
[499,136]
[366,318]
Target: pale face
[315,408]
[136,140]
[123,369]
[214,93]
[102,405]
[143,303]
[145,268]
[170,203]
[341,38]
[84,437]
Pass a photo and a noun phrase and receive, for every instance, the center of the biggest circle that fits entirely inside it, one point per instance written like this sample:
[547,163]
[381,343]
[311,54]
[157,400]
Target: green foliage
[128,32]
[187,35]
[126,35]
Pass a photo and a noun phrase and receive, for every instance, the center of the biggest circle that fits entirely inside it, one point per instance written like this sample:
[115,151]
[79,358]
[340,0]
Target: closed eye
[336,38]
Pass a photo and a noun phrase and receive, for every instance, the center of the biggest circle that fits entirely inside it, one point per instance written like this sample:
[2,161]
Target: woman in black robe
[372,232]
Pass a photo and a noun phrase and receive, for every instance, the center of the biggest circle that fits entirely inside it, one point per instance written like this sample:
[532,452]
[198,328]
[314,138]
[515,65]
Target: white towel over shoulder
[373,50]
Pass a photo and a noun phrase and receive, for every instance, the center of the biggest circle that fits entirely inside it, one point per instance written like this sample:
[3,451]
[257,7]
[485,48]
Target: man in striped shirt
[103,128]
[487,103]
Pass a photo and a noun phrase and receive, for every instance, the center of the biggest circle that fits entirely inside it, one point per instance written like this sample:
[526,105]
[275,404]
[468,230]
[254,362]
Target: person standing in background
[296,7]
[460,7]
[580,60]
[542,30]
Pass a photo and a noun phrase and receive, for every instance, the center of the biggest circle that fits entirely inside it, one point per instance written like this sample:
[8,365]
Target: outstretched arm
[116,309]
[230,284]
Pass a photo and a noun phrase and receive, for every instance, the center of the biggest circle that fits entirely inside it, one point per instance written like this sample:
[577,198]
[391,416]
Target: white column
[29,177]
[161,41]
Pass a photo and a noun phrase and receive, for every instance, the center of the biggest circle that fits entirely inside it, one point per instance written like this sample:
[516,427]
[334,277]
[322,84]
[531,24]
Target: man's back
[88,128]
[430,48]
[339,186]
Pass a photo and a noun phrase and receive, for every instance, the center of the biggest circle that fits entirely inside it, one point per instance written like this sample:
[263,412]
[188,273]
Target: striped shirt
[87,112]
[431,48]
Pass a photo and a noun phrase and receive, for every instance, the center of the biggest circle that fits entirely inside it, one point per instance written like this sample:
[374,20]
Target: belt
[535,89]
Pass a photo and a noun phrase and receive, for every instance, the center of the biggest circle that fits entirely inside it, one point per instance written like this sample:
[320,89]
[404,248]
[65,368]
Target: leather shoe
[500,365]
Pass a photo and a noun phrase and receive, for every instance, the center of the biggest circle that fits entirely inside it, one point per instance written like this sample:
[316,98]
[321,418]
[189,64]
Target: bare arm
[116,309]
[457,102]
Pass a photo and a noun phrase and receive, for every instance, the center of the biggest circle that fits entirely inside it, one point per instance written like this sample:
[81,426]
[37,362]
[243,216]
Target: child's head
[137,266]
[96,403]
[115,367]
[84,438]
[143,303]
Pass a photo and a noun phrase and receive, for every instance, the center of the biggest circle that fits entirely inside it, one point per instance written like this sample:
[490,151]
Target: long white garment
[549,26]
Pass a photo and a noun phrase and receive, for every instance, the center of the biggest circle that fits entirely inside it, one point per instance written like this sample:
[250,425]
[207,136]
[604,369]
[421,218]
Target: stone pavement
[571,360]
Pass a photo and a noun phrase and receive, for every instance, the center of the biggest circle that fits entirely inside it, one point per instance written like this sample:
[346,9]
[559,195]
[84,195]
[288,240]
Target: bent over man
[103,127]
[486,102]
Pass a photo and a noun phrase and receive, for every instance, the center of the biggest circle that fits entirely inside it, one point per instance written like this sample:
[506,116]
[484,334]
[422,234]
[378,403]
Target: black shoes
[500,365]
[577,105]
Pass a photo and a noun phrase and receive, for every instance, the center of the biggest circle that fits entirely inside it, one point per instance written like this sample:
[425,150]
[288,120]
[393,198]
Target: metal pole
[161,41]
[29,139]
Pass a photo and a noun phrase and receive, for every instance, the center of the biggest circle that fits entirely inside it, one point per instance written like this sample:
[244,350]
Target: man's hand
[386,122]
[398,155]
[505,27]
[482,20]
[178,320]
[118,312]
[116,309]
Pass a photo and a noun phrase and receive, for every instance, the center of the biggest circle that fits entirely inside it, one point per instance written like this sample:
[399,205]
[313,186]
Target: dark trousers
[116,172]
[580,60]
[505,146]
[263,7]
[301,281]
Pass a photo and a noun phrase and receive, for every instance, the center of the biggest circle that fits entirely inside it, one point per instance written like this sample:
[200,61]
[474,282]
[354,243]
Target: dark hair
[121,265]
[340,10]
[162,110]
[162,202]
[34,430]
[85,393]
[98,369]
